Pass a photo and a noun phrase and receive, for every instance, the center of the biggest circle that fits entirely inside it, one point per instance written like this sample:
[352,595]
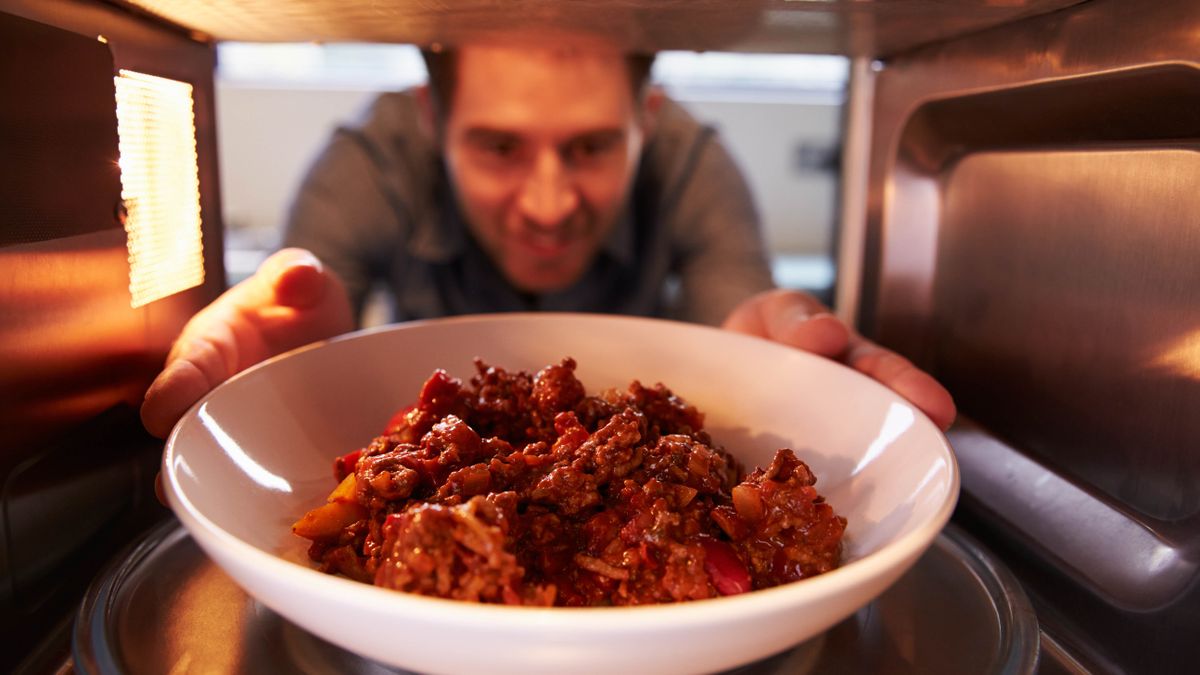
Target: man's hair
[442,65]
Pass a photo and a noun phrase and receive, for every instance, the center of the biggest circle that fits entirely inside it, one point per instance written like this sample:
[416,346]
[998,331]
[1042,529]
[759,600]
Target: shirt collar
[439,233]
[620,242]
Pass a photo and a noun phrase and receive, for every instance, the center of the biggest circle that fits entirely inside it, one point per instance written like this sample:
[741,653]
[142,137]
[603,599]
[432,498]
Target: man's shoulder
[390,109]
[677,140]
[675,126]
[391,124]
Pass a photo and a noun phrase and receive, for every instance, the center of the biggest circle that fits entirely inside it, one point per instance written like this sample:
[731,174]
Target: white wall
[266,139]
[796,205]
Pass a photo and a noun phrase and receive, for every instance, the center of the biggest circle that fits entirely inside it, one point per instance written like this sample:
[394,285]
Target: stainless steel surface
[76,467]
[58,126]
[1096,253]
[71,346]
[855,27]
[1145,572]
[856,158]
[58,123]
[166,608]
[1032,240]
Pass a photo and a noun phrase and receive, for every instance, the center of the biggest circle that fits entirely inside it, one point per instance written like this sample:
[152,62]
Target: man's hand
[289,302]
[799,320]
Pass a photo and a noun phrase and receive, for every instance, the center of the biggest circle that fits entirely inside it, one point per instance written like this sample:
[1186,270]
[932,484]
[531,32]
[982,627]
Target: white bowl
[256,454]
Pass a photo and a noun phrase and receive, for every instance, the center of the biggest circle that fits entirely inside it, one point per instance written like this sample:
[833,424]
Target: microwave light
[160,185]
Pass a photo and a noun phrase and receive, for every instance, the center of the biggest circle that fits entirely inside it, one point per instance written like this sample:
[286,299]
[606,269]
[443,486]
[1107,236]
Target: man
[523,178]
[549,179]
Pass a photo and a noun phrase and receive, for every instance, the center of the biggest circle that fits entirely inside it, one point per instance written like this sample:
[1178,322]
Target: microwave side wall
[1031,236]
[76,354]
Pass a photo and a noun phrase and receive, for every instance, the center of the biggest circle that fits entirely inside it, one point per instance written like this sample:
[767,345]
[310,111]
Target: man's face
[541,146]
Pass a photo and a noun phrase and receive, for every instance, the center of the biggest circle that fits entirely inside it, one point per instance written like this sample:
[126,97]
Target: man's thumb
[297,278]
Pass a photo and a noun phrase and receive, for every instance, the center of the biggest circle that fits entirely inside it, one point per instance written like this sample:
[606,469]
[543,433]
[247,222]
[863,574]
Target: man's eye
[497,147]
[501,147]
[590,148]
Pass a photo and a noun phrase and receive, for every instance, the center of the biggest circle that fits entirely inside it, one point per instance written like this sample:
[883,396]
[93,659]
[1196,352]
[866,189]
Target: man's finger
[290,301]
[801,321]
[294,278]
[175,389]
[900,375]
[821,333]
[791,318]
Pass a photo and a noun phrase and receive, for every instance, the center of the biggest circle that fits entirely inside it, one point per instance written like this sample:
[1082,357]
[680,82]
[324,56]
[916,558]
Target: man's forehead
[550,55]
[502,84]
[549,42]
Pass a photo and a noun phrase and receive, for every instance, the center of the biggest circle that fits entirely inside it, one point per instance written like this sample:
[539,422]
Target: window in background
[780,117]
[277,105]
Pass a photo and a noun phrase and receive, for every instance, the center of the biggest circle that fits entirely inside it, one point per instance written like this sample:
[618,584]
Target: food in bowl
[255,455]
[524,489]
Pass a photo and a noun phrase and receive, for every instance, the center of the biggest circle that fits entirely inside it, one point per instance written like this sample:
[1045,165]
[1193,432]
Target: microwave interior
[1016,212]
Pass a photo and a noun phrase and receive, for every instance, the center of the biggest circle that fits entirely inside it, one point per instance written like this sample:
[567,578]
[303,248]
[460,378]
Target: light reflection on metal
[160,185]
[1181,357]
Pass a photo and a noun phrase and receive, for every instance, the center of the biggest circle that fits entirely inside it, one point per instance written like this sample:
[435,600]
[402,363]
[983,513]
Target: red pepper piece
[344,465]
[724,568]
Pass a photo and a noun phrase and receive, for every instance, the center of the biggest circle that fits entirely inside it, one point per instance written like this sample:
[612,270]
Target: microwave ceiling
[875,28]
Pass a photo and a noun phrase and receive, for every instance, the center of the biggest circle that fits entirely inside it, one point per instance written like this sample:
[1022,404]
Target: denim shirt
[377,208]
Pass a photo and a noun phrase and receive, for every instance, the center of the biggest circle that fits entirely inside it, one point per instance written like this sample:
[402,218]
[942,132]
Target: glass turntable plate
[164,607]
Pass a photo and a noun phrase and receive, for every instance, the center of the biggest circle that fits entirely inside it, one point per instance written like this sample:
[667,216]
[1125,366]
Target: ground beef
[521,489]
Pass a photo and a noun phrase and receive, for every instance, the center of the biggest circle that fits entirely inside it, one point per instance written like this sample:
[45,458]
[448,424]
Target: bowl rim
[551,621]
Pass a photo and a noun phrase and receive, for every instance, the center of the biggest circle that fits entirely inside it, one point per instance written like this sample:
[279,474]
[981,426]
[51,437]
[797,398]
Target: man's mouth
[546,245]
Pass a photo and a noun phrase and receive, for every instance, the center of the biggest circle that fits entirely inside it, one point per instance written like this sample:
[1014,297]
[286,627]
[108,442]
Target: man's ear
[425,111]
[651,106]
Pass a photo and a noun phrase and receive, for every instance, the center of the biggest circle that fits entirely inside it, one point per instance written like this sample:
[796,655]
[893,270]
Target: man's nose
[548,195]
